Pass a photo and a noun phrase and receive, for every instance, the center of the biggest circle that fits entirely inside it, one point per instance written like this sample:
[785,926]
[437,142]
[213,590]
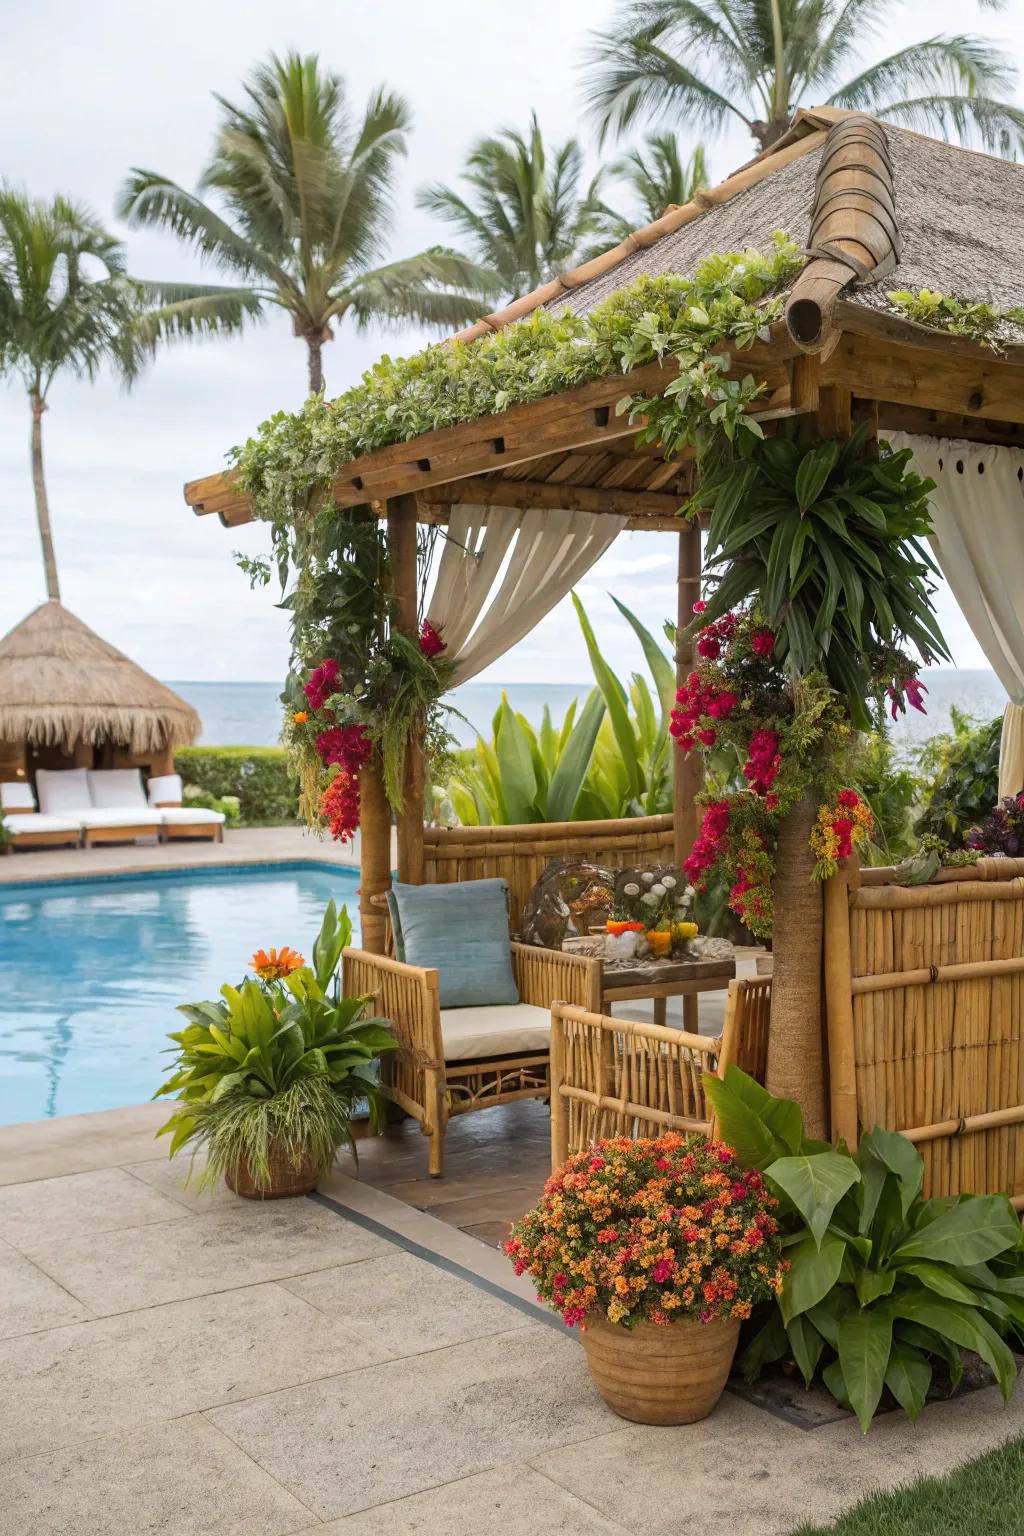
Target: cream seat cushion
[120,816]
[501,1029]
[115,788]
[63,791]
[31,821]
[189,816]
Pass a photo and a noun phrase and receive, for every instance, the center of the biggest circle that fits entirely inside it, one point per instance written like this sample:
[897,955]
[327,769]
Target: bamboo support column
[402,545]
[687,770]
[375,853]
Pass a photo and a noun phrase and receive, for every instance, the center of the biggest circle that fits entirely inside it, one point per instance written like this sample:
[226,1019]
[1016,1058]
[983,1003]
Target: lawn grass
[981,1498]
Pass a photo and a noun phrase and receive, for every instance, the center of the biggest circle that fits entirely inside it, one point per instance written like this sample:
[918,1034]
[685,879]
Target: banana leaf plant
[607,760]
[883,1283]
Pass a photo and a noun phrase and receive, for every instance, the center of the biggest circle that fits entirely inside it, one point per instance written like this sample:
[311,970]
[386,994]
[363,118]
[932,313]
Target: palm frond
[633,78]
[190,311]
[957,66]
[150,200]
[975,121]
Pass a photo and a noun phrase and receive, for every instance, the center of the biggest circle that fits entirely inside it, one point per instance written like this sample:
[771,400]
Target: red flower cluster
[711,640]
[347,745]
[431,643]
[698,701]
[322,683]
[761,768]
[906,690]
[762,642]
[339,806]
[711,839]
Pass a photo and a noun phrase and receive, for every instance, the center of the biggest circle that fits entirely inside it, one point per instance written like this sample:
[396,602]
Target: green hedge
[259,776]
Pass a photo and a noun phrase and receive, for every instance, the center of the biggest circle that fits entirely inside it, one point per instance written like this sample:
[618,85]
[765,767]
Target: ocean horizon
[249,714]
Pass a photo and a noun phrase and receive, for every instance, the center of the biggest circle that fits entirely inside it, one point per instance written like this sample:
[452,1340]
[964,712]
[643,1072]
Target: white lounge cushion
[33,821]
[17,795]
[502,1029]
[120,816]
[114,788]
[62,790]
[190,815]
[165,789]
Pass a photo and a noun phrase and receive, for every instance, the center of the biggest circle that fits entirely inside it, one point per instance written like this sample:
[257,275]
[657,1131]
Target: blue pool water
[91,971]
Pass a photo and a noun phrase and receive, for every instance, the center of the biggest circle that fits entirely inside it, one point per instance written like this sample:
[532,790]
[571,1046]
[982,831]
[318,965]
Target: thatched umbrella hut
[70,699]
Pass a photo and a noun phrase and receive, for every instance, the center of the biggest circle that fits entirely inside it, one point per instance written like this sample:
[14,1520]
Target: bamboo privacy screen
[925,992]
[520,854]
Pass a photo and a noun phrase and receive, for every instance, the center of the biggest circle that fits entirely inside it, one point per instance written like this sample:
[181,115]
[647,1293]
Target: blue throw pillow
[462,929]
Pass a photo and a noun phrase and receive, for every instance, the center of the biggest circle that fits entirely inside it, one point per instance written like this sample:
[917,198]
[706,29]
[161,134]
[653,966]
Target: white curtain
[481,617]
[978,543]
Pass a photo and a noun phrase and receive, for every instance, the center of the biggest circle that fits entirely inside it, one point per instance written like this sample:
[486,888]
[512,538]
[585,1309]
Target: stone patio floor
[197,1365]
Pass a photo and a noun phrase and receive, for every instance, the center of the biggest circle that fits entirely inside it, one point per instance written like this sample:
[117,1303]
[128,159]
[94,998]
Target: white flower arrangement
[649,899]
[657,889]
[632,889]
[647,877]
[669,882]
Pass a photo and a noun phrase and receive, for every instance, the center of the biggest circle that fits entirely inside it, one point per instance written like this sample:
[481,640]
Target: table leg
[660,1005]
[691,1013]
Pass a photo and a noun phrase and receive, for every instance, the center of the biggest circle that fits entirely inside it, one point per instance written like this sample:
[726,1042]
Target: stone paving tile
[179,1479]
[46,1149]
[30,1300]
[81,1204]
[405,1305]
[509,1501]
[117,1373]
[413,1424]
[249,1242]
[169,1175]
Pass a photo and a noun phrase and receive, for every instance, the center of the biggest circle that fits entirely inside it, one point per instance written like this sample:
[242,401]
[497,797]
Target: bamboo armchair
[617,1077]
[418,1078]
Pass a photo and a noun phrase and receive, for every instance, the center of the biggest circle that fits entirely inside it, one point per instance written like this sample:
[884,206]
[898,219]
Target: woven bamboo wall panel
[937,991]
[521,854]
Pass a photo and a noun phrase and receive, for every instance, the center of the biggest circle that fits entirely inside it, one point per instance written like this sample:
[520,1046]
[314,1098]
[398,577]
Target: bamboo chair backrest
[745,1036]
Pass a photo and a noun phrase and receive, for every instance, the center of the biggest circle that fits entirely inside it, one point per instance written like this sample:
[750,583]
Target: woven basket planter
[653,1375]
[286,1177]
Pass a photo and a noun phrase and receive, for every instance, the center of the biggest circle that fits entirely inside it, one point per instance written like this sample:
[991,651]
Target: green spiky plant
[278,1067]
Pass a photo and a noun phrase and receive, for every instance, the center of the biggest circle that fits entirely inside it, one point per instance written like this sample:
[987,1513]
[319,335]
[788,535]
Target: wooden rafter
[641,505]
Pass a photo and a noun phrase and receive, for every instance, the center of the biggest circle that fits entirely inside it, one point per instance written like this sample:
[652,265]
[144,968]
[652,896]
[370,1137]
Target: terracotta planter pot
[286,1179]
[652,1375]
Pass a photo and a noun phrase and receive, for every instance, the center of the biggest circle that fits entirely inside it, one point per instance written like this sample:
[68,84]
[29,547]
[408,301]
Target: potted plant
[657,1250]
[652,905]
[270,1078]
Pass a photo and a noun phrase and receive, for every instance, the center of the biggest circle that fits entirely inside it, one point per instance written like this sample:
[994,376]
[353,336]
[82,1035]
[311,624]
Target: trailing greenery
[832,555]
[258,777]
[891,789]
[279,1063]
[611,761]
[730,299]
[979,1498]
[959,317]
[882,1282]
[959,773]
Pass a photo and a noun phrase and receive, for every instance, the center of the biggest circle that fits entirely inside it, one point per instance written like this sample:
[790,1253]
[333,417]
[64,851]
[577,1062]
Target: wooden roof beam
[640,505]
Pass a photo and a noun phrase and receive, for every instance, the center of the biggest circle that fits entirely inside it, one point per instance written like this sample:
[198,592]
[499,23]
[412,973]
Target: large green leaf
[908,1377]
[758,1127]
[806,1343]
[960,1324]
[865,1340]
[814,1271]
[811,477]
[615,700]
[568,777]
[900,1157]
[768,1344]
[940,1280]
[976,1228]
[662,670]
[815,1184]
[515,761]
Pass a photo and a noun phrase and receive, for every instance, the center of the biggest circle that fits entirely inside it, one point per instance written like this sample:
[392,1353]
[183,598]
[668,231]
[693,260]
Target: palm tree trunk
[796,1064]
[315,347]
[42,501]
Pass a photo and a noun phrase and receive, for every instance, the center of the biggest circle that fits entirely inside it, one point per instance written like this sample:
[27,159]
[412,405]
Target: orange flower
[273,964]
[301,716]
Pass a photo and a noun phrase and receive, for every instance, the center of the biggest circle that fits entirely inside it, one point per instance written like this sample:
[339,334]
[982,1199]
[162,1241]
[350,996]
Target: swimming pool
[91,971]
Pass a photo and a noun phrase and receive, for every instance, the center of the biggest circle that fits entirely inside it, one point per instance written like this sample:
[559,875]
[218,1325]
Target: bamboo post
[556,1071]
[839,1010]
[375,853]
[402,547]
[687,769]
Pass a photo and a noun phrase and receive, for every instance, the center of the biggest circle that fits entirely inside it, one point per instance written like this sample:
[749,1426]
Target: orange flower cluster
[837,831]
[651,1231]
[273,964]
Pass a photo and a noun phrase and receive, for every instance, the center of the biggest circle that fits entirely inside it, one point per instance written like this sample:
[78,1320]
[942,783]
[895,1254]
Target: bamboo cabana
[874,206]
[70,699]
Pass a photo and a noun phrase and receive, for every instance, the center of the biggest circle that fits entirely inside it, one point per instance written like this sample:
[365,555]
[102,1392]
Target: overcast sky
[86,92]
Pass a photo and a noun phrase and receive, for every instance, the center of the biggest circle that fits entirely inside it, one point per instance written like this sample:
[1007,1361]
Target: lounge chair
[109,803]
[455,1059]
[178,820]
[28,828]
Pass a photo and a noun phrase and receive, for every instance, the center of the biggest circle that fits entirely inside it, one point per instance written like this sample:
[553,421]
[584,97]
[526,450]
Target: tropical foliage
[882,1283]
[658,177]
[612,760]
[303,215]
[960,774]
[712,62]
[960,317]
[278,1065]
[526,211]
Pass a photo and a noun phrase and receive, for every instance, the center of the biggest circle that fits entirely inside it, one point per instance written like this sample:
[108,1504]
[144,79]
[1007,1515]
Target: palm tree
[66,305]
[709,61]
[659,177]
[307,192]
[526,213]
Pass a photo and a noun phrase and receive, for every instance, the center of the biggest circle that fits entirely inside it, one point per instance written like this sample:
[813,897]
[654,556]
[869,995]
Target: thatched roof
[61,684]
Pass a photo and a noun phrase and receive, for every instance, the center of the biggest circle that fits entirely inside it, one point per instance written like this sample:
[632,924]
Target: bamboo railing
[520,854]
[925,997]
